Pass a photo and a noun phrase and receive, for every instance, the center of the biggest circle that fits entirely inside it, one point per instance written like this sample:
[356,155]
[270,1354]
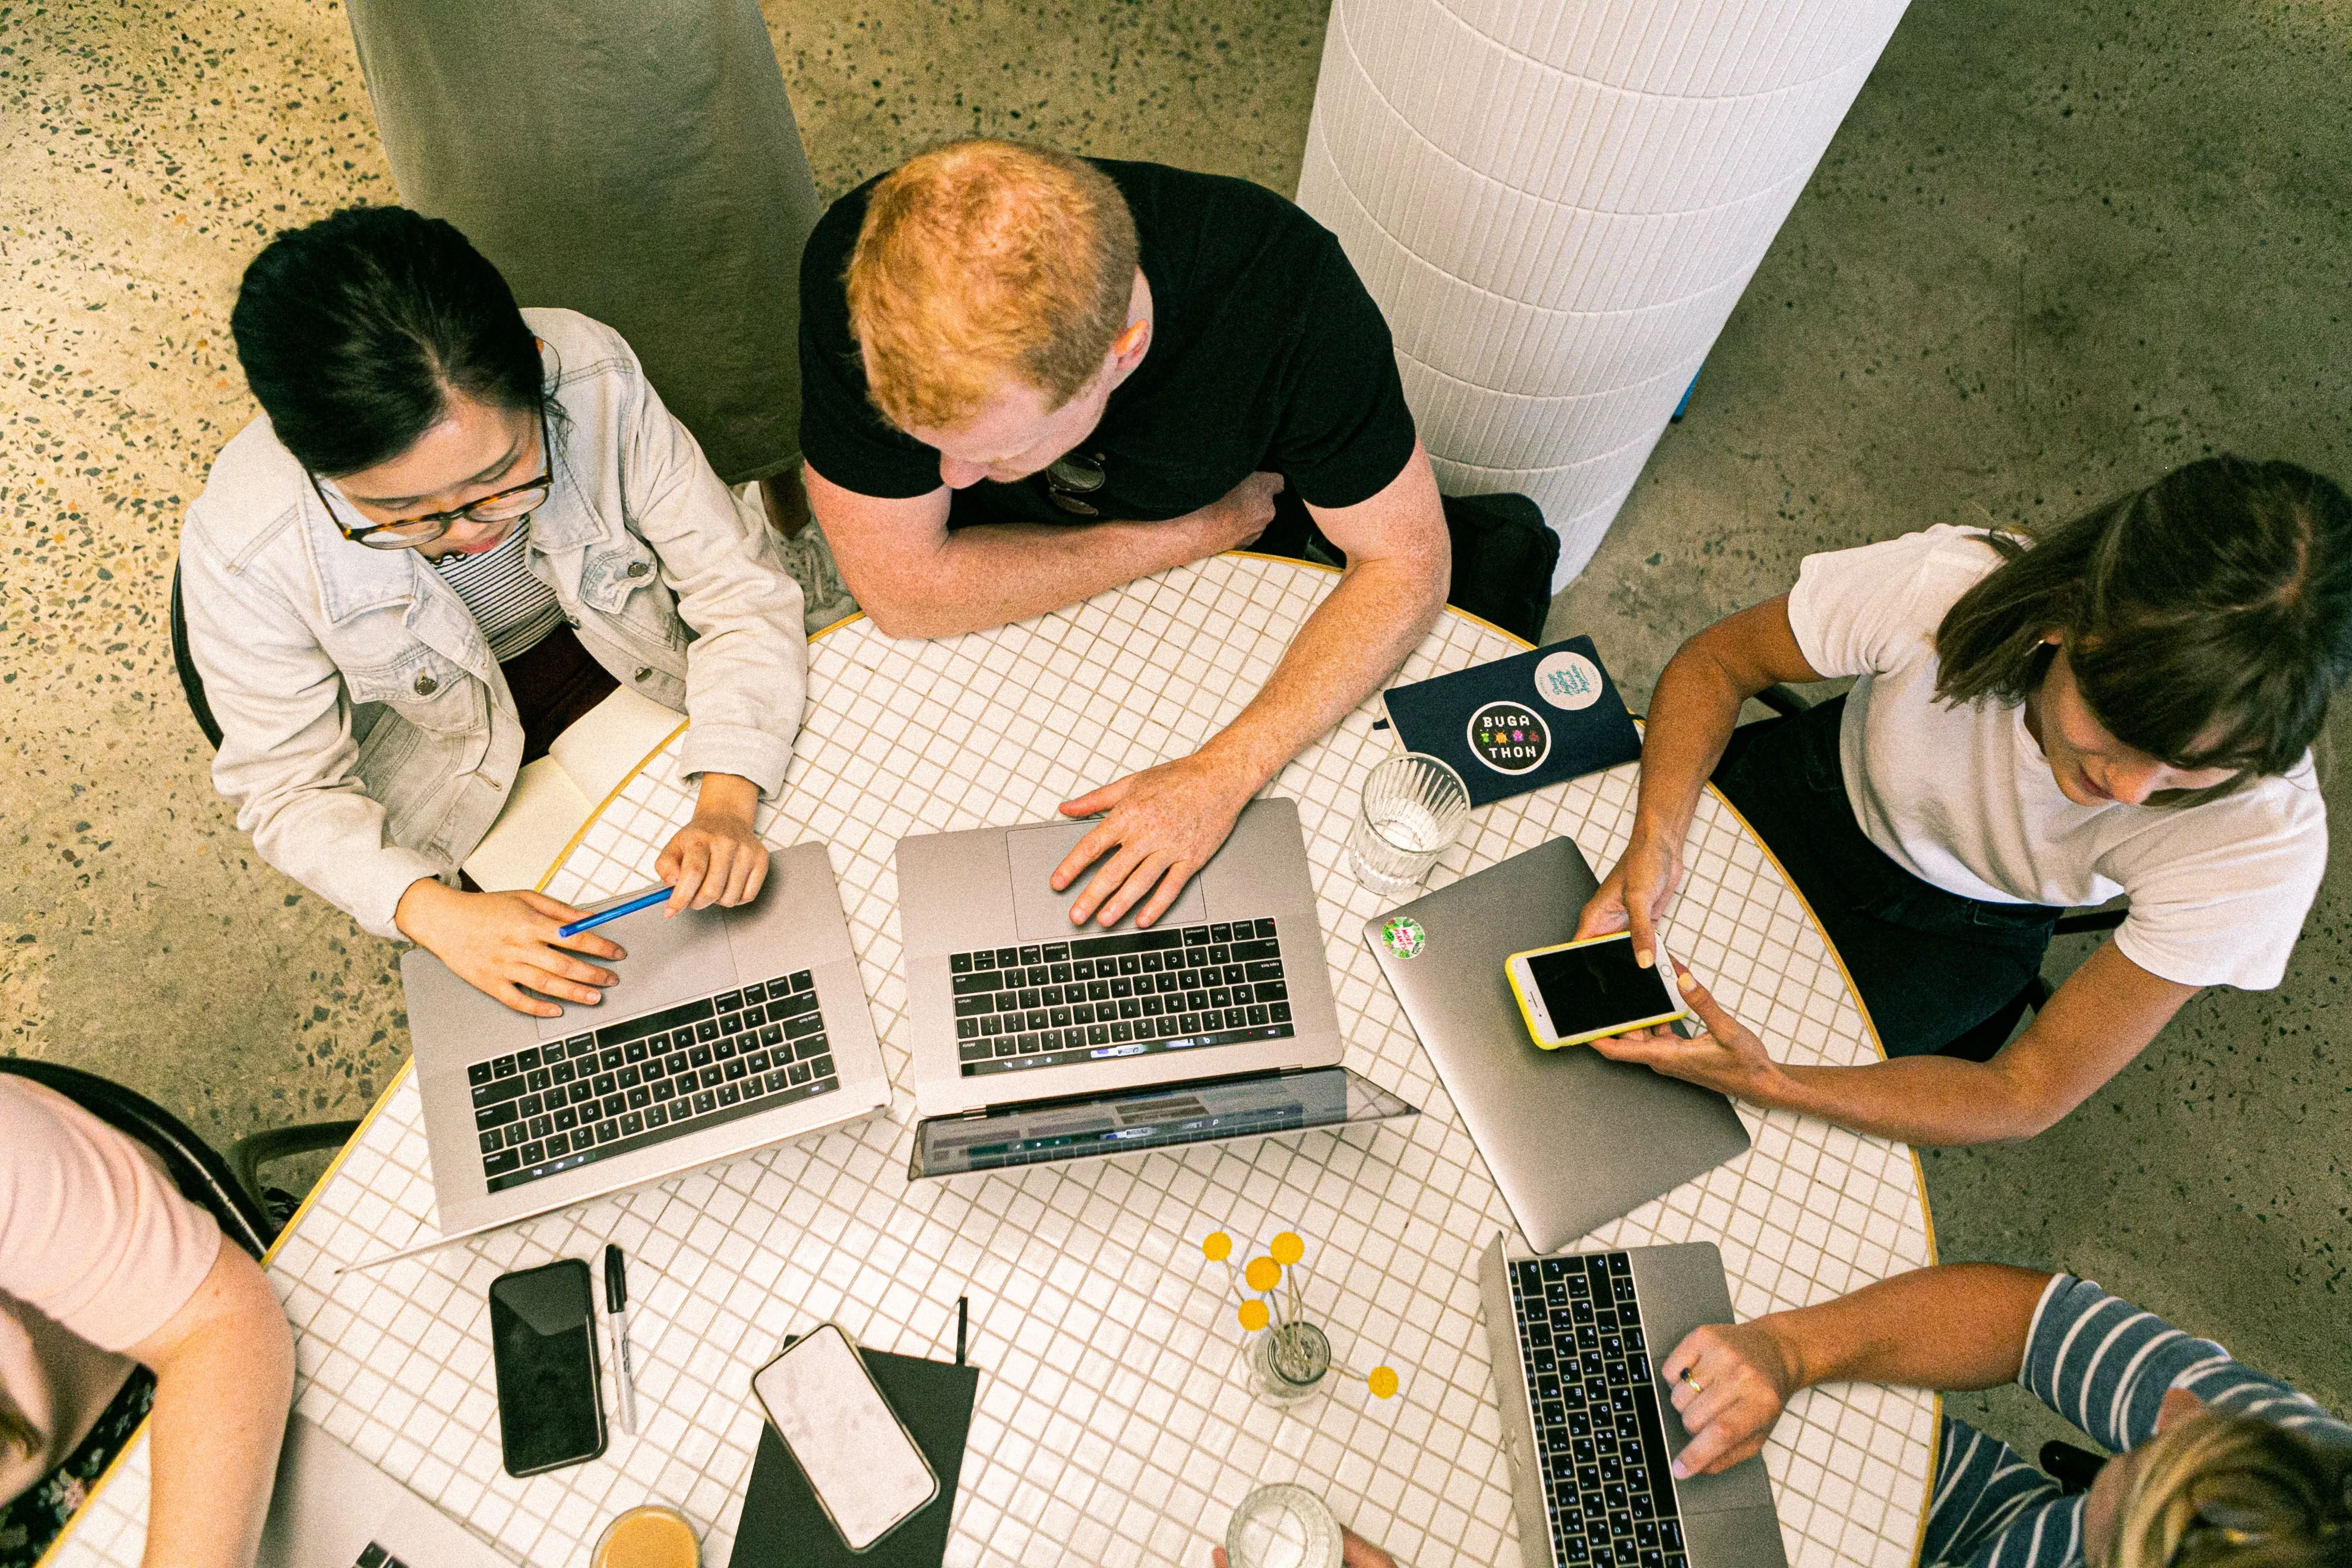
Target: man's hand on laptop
[1731,1382]
[1163,824]
[1727,1059]
[500,944]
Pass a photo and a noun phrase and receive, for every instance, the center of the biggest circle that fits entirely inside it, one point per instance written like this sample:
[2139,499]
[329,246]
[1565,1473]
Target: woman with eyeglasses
[456,529]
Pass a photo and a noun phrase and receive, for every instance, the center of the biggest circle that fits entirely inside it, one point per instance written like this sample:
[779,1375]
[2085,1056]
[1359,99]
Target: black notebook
[1519,723]
[783,1526]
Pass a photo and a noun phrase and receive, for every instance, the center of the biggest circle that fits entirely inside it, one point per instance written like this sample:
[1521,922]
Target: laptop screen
[1197,1112]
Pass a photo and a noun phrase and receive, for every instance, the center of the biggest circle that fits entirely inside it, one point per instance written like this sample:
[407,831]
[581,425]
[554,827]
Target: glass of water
[1411,809]
[1283,1526]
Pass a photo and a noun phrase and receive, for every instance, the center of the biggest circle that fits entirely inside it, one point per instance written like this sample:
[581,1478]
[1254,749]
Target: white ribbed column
[1557,204]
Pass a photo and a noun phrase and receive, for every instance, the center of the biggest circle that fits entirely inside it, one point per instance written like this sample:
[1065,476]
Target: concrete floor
[2055,251]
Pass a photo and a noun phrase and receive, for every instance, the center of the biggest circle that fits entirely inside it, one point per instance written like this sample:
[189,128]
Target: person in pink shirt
[119,1301]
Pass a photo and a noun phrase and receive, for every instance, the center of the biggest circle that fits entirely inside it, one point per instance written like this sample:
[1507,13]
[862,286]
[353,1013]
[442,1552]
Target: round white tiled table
[1115,1422]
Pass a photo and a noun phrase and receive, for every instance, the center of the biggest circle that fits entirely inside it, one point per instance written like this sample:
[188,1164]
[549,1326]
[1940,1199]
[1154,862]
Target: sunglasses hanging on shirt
[1070,477]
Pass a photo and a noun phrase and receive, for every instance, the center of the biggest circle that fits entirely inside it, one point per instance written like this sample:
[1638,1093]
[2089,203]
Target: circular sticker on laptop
[1404,937]
[1568,681]
[1509,737]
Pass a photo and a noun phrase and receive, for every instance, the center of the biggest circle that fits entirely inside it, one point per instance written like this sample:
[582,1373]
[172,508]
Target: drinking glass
[1411,809]
[1283,1526]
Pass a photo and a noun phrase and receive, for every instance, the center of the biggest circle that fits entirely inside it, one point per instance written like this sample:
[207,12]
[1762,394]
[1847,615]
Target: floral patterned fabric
[31,1520]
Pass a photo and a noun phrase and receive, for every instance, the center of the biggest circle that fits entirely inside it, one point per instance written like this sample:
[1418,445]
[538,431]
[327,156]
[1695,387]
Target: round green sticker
[1404,937]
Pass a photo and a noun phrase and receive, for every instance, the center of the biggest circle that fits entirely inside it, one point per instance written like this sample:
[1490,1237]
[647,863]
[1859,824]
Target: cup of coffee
[648,1536]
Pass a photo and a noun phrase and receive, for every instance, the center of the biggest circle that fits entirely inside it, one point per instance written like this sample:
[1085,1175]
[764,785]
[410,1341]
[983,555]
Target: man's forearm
[1354,640]
[996,574]
[1954,1326]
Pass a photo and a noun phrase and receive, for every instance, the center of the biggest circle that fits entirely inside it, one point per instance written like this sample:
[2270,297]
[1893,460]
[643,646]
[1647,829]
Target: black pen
[963,1322]
[616,1303]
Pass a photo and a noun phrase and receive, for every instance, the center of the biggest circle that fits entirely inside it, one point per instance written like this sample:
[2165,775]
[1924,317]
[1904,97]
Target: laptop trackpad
[669,961]
[1041,914]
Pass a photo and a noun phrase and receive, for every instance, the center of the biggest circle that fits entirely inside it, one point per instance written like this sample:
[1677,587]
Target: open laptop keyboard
[1092,997]
[1601,1452]
[560,1105]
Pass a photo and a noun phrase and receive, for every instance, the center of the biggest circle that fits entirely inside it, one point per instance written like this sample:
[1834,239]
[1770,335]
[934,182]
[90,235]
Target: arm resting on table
[223,1367]
[915,579]
[1954,1326]
[2102,1017]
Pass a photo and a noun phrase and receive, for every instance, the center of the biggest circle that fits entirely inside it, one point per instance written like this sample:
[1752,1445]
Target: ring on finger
[1696,1386]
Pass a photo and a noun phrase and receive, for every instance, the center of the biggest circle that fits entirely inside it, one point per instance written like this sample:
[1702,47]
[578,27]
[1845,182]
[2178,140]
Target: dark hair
[354,331]
[2221,594]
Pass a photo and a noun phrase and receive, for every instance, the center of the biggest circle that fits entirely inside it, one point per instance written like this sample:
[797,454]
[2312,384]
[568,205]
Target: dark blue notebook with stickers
[1519,723]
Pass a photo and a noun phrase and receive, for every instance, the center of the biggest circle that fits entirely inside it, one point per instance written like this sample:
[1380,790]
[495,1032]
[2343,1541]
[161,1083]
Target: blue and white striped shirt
[513,606]
[2105,1365]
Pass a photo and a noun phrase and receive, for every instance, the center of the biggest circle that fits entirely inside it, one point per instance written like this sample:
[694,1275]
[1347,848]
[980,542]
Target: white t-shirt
[1963,798]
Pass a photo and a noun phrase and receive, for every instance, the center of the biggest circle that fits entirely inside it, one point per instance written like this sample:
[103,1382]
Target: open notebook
[554,797]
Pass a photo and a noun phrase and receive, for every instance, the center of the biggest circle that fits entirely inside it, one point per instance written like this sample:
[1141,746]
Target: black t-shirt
[1266,354]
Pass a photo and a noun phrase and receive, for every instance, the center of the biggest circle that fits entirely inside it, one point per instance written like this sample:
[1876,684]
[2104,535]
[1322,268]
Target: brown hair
[2231,1490]
[980,260]
[16,1432]
[2220,596]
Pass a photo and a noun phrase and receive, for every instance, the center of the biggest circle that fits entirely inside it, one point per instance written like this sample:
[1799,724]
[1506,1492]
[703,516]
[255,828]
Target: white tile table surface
[1115,1424]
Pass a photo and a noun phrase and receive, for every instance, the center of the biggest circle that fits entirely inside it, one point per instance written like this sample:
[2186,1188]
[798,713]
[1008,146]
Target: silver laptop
[1008,1003]
[332,1508]
[730,1030]
[1573,1139]
[1590,1426]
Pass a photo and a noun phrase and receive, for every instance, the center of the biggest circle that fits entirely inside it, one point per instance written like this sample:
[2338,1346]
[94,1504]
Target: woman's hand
[1731,1382]
[716,858]
[1727,1059]
[500,944]
[1634,895]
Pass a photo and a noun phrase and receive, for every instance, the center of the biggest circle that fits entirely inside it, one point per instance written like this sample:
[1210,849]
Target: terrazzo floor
[2054,250]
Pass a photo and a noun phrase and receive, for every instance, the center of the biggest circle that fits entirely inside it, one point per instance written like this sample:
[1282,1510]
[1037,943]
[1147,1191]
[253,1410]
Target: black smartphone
[543,1348]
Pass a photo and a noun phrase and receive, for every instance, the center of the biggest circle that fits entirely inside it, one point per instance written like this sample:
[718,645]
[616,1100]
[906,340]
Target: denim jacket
[368,738]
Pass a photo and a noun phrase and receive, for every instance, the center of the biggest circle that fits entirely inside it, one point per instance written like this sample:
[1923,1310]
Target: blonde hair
[982,259]
[2230,1489]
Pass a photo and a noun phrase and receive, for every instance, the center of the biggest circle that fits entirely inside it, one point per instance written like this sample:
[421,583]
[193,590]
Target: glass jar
[1291,1359]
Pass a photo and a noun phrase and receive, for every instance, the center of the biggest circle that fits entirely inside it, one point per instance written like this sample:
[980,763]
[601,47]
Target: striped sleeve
[2105,1365]
[1992,1510]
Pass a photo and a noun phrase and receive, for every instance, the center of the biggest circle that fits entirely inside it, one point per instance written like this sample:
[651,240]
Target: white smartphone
[863,1466]
[1587,990]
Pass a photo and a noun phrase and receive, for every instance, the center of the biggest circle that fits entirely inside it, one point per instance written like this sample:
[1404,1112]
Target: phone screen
[1597,986]
[543,1346]
[865,1469]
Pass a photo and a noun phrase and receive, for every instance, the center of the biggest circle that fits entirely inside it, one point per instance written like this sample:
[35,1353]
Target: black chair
[192,684]
[229,1190]
[1980,1043]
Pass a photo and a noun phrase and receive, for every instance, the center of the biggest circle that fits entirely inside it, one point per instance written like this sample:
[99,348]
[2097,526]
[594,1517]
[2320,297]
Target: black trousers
[1929,964]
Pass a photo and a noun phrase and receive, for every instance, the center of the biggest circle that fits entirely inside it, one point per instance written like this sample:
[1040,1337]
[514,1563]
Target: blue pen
[615,912]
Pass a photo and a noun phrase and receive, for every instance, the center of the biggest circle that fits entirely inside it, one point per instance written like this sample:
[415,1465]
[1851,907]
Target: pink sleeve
[92,1235]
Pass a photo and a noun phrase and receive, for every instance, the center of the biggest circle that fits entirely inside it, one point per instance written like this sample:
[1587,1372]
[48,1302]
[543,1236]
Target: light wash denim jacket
[368,738]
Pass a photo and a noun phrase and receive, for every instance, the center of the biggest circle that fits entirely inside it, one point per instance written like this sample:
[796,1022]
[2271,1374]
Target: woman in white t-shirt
[120,1303]
[2125,708]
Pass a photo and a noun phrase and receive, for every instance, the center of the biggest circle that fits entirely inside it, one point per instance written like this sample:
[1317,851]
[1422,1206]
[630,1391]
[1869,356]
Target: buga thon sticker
[1509,737]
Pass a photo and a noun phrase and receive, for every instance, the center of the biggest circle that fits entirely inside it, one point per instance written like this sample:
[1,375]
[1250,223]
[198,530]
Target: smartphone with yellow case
[1588,990]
